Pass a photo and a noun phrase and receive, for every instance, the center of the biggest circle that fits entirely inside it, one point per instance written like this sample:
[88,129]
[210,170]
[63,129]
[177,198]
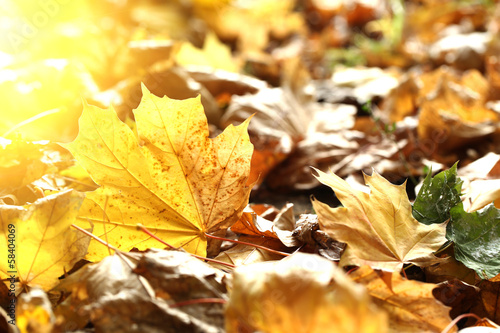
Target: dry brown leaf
[328,141]
[410,304]
[162,79]
[219,82]
[280,227]
[245,254]
[379,228]
[280,121]
[484,322]
[307,231]
[448,270]
[488,302]
[122,290]
[456,294]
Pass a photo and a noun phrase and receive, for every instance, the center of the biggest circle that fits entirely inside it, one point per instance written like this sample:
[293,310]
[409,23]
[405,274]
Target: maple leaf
[172,179]
[475,236]
[437,196]
[410,304]
[378,228]
[45,247]
[214,54]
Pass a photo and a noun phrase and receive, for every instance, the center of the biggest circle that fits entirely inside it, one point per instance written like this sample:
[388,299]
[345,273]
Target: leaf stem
[30,120]
[146,231]
[95,237]
[457,319]
[404,274]
[249,244]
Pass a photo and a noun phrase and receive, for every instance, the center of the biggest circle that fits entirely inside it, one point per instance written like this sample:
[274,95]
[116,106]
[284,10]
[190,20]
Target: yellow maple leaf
[378,228]
[39,241]
[172,179]
[214,54]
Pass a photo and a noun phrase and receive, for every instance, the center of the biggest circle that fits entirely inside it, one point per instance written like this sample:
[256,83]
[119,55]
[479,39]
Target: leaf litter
[345,87]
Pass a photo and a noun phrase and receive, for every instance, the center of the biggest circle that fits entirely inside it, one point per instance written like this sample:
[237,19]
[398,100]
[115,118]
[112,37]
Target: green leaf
[477,238]
[437,196]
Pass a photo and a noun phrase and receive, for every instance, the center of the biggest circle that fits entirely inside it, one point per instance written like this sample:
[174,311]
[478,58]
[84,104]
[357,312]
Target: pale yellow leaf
[41,237]
[214,54]
[378,227]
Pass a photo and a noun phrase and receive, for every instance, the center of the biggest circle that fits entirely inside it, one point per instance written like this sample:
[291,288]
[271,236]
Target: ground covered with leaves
[250,166]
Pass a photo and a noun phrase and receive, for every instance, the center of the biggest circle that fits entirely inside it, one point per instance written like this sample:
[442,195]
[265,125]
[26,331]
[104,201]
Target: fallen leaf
[366,83]
[34,312]
[454,106]
[279,122]
[123,289]
[302,293]
[378,227]
[214,54]
[485,167]
[475,236]
[456,294]
[220,82]
[461,51]
[281,227]
[163,79]
[327,141]
[252,223]
[253,24]
[450,269]
[45,245]
[437,196]
[172,179]
[20,164]
[402,100]
[245,254]
[488,302]
[481,182]
[410,304]
[481,193]
[307,231]
[426,23]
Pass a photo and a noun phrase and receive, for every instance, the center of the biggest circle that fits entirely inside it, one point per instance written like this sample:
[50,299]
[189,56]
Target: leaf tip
[84,102]
[145,90]
[315,172]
